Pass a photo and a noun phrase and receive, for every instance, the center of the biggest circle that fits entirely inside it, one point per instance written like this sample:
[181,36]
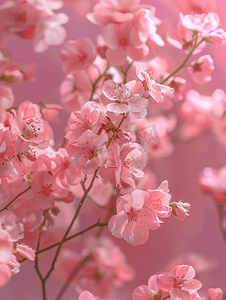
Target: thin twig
[36,260]
[71,224]
[15,199]
[73,274]
[185,61]
[97,80]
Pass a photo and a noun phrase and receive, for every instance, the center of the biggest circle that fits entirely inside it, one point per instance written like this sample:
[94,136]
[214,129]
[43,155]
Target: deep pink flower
[77,55]
[179,282]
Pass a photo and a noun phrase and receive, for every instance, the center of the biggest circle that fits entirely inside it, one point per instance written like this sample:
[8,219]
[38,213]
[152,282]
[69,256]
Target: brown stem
[15,199]
[185,61]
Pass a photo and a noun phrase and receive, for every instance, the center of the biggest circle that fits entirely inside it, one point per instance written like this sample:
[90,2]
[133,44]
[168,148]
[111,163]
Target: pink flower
[133,219]
[179,282]
[33,131]
[144,28]
[131,163]
[117,38]
[196,112]
[150,291]
[25,251]
[50,112]
[207,25]
[158,201]
[106,269]
[77,55]
[6,97]
[214,294]
[76,90]
[5,273]
[156,90]
[154,135]
[20,18]
[124,99]
[119,11]
[183,39]
[180,210]
[85,295]
[89,153]
[201,69]
[89,118]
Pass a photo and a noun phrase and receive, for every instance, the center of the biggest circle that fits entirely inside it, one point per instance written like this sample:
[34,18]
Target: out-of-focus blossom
[207,25]
[201,69]
[50,32]
[77,55]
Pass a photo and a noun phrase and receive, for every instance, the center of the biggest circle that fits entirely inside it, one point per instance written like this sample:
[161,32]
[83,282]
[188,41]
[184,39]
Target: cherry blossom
[207,25]
[90,118]
[124,99]
[89,153]
[201,68]
[150,291]
[156,90]
[180,210]
[77,55]
[214,294]
[117,38]
[179,282]
[134,219]
[183,39]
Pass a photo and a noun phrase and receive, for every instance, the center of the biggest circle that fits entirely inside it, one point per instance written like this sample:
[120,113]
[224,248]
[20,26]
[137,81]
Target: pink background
[199,233]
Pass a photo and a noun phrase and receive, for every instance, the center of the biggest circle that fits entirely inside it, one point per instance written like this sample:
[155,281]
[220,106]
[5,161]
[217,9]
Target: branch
[97,80]
[75,271]
[185,61]
[36,260]
[15,199]
[72,222]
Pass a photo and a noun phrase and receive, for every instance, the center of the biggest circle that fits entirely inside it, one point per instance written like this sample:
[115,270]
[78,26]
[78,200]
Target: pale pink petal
[118,107]
[85,295]
[5,273]
[6,247]
[178,294]
[192,285]
[117,57]
[165,281]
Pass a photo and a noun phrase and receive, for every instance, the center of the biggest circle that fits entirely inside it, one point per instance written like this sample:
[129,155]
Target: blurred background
[200,233]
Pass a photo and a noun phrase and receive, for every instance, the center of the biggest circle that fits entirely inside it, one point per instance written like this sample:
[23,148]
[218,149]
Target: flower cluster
[119,93]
